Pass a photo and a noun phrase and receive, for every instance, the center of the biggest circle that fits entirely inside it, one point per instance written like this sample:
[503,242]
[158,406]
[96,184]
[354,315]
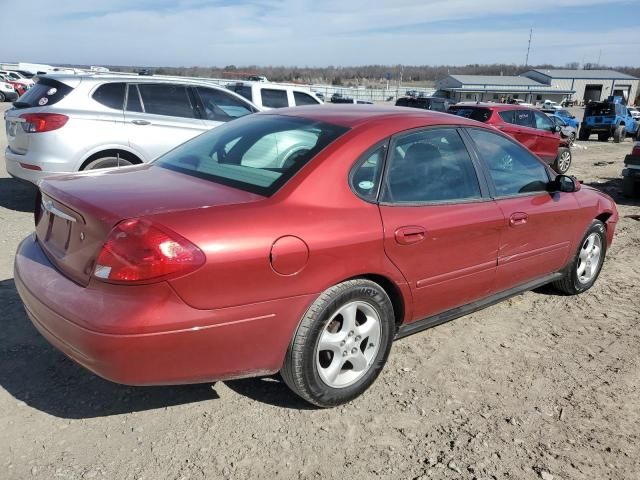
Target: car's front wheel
[587,263]
[619,134]
[563,160]
[341,344]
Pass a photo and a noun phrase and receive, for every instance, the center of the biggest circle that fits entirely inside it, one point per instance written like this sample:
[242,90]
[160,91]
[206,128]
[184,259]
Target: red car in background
[531,128]
[303,241]
[18,87]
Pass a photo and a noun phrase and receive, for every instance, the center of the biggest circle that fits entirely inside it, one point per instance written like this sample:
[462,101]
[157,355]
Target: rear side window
[508,116]
[221,106]
[110,95]
[166,99]
[133,100]
[431,166]
[274,98]
[365,177]
[46,92]
[402,102]
[304,99]
[242,90]
[474,113]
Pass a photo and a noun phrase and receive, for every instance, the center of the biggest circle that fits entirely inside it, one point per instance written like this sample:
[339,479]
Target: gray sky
[319,33]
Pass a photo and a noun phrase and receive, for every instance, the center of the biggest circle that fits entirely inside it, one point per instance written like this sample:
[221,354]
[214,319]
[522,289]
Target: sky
[319,32]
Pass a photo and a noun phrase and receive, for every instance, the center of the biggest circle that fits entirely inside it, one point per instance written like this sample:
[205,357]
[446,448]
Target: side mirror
[565,183]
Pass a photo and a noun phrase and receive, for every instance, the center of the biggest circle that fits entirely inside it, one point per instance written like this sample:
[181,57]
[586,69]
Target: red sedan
[302,241]
[530,127]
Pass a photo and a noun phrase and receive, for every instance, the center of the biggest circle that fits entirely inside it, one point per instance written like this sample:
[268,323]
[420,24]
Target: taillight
[138,251]
[42,122]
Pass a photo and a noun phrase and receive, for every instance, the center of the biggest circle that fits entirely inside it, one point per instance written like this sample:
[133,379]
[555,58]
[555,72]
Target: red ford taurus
[302,241]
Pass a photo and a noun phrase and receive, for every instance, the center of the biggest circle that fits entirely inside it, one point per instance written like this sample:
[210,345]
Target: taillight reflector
[43,122]
[138,251]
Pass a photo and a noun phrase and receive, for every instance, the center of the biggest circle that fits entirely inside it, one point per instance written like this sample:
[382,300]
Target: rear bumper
[148,336]
[14,164]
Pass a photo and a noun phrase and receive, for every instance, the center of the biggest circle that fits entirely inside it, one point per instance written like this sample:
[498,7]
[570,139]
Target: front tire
[563,160]
[619,134]
[2,97]
[341,344]
[587,263]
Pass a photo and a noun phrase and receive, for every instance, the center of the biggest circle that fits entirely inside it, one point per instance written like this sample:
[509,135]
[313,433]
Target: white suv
[67,123]
[273,95]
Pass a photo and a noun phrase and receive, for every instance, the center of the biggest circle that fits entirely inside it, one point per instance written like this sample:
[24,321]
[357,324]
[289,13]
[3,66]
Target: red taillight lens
[43,122]
[138,251]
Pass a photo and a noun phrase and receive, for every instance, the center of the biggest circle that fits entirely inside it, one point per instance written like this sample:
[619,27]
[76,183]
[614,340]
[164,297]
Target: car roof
[352,115]
[493,106]
[111,77]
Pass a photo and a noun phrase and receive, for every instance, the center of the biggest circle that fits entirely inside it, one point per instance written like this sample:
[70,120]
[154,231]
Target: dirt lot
[540,386]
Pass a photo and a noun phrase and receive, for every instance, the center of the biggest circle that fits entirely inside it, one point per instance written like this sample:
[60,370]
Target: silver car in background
[69,123]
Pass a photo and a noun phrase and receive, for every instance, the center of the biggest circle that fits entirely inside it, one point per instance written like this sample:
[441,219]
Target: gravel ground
[540,386]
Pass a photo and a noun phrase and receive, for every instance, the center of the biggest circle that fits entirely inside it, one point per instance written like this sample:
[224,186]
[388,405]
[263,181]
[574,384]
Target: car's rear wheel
[563,160]
[2,97]
[619,134]
[584,134]
[572,138]
[107,162]
[585,267]
[341,344]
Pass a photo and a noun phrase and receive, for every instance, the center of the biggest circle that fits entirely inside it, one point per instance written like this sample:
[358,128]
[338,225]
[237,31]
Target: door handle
[140,122]
[410,234]
[518,218]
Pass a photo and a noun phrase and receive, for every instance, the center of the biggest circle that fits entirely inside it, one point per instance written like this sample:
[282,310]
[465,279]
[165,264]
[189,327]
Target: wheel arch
[126,154]
[394,292]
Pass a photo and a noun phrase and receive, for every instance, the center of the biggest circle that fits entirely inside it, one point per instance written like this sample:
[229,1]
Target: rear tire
[584,134]
[572,139]
[628,187]
[619,134]
[587,263]
[2,97]
[563,160]
[341,344]
[108,161]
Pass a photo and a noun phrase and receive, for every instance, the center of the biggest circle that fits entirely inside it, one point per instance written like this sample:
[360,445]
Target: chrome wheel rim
[348,344]
[589,258]
[110,162]
[564,162]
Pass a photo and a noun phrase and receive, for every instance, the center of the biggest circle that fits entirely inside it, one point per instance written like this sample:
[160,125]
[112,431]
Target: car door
[526,133]
[537,228]
[217,106]
[159,117]
[547,140]
[440,227]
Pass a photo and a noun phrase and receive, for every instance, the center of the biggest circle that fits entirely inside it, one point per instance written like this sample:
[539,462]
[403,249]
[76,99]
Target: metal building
[589,85]
[496,88]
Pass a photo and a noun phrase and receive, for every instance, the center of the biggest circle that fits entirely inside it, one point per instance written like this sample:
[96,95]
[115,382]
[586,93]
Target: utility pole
[526,62]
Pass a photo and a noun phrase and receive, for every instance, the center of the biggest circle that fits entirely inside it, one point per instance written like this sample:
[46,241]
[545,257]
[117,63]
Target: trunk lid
[77,212]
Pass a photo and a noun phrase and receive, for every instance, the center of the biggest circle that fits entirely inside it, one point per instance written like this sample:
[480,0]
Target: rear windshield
[243,90]
[45,92]
[474,113]
[257,153]
[600,109]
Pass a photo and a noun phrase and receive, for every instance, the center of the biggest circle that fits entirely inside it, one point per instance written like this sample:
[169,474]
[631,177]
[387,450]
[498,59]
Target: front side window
[304,99]
[166,99]
[274,98]
[543,122]
[254,153]
[220,106]
[110,95]
[431,166]
[512,168]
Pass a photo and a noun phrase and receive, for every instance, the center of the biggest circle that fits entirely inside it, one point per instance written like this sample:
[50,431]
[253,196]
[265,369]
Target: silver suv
[67,123]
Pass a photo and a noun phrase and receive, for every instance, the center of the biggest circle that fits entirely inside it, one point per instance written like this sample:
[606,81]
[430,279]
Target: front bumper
[146,335]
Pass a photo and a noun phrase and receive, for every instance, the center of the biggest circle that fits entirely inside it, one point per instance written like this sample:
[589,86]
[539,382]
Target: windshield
[563,113]
[474,113]
[257,153]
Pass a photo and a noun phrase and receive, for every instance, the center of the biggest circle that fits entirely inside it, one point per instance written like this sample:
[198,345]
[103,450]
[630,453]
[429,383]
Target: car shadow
[613,188]
[34,372]
[17,195]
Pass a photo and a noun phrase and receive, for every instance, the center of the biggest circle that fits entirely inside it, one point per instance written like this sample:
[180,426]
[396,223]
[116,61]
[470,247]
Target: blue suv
[608,119]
